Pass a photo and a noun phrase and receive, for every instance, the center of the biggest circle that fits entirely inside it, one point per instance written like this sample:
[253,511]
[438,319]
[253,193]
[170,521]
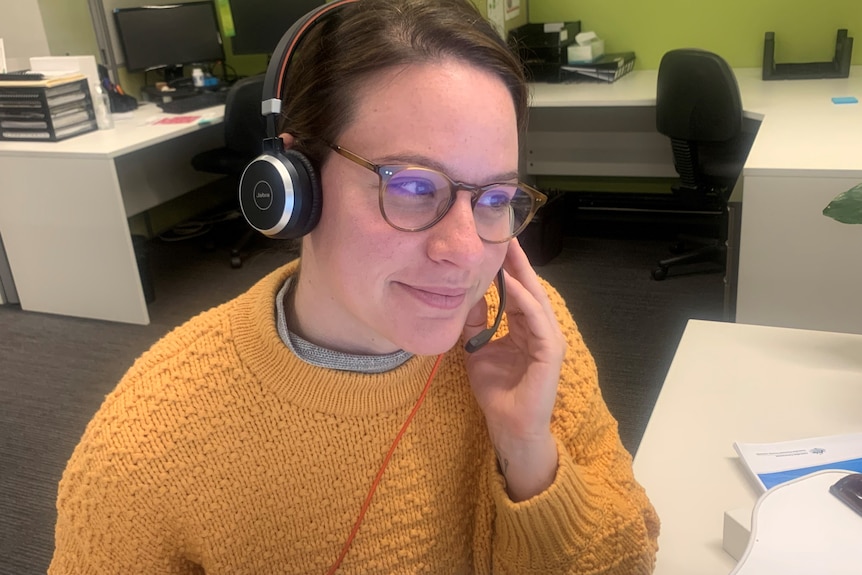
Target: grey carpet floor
[55,371]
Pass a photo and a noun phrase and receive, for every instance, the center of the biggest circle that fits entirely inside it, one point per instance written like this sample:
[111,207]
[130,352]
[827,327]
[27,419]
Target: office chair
[243,135]
[699,108]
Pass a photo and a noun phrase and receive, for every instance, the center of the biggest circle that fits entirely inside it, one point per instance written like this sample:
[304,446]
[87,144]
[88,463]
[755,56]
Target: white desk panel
[67,238]
[64,209]
[735,382]
[804,131]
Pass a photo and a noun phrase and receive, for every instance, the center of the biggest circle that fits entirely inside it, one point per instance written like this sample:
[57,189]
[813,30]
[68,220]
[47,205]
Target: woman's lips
[446,298]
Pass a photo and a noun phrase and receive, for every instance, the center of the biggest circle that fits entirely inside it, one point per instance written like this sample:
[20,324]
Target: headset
[279,191]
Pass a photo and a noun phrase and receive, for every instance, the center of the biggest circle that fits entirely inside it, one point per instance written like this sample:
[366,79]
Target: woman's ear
[287,140]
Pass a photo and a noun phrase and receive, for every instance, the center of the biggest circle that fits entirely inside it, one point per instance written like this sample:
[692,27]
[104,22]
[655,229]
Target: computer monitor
[169,36]
[260,24]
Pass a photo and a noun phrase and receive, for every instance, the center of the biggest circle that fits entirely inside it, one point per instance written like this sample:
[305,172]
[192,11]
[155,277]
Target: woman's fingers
[527,295]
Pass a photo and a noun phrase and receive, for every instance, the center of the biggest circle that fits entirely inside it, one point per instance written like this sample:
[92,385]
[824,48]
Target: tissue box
[578,54]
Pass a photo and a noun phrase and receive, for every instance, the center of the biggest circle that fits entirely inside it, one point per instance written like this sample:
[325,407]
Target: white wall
[22,31]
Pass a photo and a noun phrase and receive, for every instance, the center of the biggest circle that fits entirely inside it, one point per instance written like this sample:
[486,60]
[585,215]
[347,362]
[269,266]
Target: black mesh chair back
[699,108]
[244,130]
[244,126]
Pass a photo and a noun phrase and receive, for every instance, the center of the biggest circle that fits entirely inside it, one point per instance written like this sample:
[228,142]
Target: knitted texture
[221,452]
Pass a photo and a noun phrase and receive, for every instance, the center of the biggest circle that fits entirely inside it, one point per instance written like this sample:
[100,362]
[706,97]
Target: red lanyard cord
[382,469]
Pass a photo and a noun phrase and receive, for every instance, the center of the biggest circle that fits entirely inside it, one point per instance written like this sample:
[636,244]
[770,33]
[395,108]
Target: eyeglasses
[414,198]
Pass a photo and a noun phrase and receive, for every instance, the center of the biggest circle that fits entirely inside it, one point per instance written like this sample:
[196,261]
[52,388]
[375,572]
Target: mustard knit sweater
[220,452]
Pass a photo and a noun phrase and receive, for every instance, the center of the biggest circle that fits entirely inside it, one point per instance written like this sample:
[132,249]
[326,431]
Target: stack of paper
[774,463]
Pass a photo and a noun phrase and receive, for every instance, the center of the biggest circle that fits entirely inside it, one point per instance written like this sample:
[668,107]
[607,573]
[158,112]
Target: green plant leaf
[846,207]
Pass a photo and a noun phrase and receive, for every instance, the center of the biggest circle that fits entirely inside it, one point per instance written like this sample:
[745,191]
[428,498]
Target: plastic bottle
[102,106]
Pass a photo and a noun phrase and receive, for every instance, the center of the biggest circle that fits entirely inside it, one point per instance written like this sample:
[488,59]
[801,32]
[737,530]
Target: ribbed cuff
[550,527]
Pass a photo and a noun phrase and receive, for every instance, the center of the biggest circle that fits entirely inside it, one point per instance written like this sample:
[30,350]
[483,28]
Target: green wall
[804,29]
[249,65]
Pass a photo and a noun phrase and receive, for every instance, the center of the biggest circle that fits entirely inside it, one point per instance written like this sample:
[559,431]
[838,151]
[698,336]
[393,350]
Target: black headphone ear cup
[312,195]
[279,195]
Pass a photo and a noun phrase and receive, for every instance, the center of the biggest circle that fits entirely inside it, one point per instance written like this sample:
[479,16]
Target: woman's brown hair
[368,36]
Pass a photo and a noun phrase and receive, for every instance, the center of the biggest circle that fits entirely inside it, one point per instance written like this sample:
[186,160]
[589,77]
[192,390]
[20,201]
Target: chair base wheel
[659,273]
[235,262]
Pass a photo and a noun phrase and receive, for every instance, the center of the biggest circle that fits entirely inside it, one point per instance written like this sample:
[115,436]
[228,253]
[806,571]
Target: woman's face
[368,288]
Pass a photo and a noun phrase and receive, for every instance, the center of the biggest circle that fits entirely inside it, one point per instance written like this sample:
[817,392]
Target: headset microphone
[478,341]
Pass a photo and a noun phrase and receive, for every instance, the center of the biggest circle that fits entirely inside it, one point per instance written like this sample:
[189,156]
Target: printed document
[774,463]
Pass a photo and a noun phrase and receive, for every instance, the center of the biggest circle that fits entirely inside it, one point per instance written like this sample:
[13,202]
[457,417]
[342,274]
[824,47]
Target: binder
[607,68]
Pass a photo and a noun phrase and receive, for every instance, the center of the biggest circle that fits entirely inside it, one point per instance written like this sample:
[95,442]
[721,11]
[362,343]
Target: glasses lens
[502,212]
[414,197]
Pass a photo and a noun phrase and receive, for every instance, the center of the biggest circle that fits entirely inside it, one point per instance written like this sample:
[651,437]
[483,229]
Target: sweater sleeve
[112,515]
[594,518]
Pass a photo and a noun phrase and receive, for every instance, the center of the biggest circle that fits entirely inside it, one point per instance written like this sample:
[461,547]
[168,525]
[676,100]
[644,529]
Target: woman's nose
[454,238]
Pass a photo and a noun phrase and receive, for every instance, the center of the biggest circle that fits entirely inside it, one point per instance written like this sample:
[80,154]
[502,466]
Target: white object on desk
[736,532]
[198,77]
[3,68]
[587,47]
[799,528]
[728,381]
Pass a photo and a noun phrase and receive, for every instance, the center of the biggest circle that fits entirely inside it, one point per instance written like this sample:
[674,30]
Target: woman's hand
[514,379]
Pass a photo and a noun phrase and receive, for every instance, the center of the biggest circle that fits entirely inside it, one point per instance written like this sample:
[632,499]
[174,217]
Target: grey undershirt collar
[327,358]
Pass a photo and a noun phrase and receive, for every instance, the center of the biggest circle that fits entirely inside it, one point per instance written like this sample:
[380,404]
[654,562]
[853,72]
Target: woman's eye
[495,199]
[411,187]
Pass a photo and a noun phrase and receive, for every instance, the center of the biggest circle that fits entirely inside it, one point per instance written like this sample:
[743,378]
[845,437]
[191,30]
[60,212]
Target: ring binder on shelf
[607,68]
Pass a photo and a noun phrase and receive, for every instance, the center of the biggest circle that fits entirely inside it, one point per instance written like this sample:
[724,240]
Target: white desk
[733,382]
[797,268]
[64,209]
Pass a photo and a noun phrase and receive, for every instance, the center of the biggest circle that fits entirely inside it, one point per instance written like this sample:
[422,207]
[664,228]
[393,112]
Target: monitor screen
[168,36]
[260,24]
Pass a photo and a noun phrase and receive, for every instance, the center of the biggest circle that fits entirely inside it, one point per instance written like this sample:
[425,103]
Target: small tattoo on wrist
[502,462]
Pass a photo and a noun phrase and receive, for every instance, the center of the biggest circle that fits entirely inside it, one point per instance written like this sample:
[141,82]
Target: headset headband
[277,68]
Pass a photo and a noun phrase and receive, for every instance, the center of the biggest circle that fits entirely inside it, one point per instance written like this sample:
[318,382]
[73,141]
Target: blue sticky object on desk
[844,100]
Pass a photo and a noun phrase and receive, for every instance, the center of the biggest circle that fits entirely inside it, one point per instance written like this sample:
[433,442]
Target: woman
[331,418]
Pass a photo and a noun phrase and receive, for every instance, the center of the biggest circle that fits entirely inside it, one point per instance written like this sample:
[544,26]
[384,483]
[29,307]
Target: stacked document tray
[46,110]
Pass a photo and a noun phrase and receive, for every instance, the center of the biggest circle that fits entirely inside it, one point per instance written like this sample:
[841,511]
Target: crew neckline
[320,356]
[262,351]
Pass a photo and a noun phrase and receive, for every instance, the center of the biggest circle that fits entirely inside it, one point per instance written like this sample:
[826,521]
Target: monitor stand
[173,73]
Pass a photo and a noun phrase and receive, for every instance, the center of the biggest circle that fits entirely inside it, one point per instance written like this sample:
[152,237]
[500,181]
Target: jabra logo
[262,195]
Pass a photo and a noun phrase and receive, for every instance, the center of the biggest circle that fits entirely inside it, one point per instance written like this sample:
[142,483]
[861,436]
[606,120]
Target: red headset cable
[382,469]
